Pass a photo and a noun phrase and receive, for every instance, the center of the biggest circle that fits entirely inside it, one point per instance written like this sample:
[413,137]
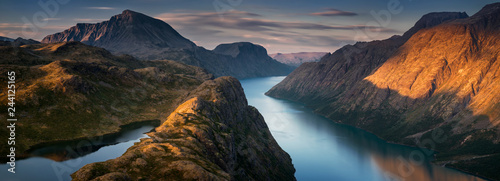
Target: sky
[281,26]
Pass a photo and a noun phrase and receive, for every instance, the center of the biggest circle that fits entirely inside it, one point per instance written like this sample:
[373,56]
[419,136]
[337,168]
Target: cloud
[89,20]
[241,20]
[51,19]
[334,12]
[12,25]
[282,35]
[101,8]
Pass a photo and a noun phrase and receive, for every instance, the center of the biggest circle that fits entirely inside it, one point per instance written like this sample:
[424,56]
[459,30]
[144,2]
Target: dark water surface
[323,150]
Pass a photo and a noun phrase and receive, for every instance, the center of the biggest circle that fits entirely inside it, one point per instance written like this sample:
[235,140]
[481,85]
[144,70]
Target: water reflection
[323,150]
[67,150]
[58,165]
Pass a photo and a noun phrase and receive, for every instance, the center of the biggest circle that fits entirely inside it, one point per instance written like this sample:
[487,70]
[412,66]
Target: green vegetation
[67,91]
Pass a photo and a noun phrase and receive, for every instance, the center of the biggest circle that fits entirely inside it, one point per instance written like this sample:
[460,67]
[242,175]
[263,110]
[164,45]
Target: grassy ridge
[69,90]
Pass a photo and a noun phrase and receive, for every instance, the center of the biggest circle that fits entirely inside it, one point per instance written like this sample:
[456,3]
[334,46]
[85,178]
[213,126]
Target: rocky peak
[433,19]
[489,10]
[486,18]
[128,32]
[225,90]
[130,16]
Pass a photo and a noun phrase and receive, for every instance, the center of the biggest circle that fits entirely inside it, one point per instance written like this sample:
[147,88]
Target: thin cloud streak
[51,19]
[101,8]
[240,20]
[89,20]
[334,12]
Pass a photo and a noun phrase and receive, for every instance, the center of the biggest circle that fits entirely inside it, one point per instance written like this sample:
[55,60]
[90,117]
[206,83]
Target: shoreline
[388,141]
[71,142]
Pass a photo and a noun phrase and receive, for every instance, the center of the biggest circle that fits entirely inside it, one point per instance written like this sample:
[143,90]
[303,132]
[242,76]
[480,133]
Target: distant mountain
[253,59]
[17,42]
[5,39]
[296,59]
[148,38]
[127,33]
[440,76]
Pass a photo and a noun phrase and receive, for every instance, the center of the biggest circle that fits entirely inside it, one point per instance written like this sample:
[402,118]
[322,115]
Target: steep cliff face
[214,135]
[147,38]
[71,90]
[443,78]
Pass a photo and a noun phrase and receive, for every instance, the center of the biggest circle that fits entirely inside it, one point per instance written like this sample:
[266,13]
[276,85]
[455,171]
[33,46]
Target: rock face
[147,38]
[214,135]
[125,33]
[296,59]
[433,78]
[71,90]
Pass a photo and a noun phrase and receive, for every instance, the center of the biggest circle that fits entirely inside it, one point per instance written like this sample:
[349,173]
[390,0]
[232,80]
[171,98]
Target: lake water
[44,166]
[323,150]
[320,149]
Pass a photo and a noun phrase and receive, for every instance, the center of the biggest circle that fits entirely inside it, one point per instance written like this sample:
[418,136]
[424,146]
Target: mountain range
[296,59]
[440,77]
[4,41]
[71,91]
[147,38]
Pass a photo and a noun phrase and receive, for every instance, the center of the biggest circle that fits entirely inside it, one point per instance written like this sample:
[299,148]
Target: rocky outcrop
[296,59]
[440,75]
[214,135]
[147,38]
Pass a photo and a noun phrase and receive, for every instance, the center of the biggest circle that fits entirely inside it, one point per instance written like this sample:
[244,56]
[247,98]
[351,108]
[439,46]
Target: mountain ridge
[147,38]
[90,88]
[441,78]
[213,135]
[296,59]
